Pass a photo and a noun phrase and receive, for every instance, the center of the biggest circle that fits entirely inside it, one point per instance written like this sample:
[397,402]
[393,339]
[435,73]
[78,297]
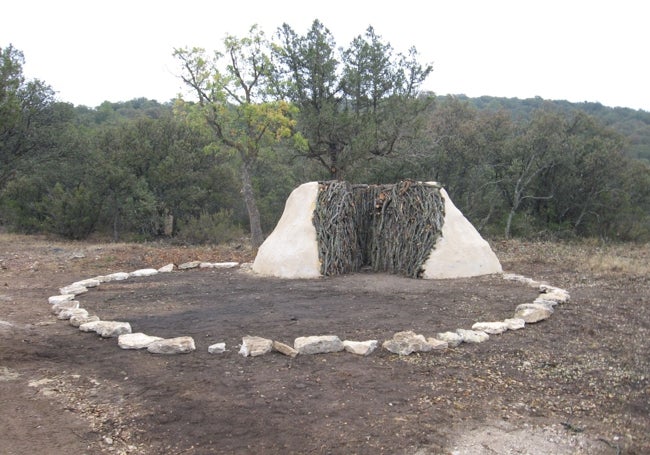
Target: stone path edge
[65,306]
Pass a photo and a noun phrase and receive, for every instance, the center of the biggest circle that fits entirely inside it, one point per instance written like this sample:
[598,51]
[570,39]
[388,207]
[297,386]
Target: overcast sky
[592,50]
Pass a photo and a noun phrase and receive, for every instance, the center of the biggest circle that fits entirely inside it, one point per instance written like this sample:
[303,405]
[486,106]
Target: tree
[233,91]
[23,108]
[354,103]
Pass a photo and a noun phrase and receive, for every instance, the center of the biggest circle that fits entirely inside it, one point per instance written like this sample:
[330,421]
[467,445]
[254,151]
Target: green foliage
[209,228]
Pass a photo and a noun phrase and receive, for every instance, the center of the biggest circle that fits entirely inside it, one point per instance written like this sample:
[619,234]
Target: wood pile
[389,228]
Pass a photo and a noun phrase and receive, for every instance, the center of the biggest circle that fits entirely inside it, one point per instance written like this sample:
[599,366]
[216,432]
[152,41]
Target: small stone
[514,323]
[143,272]
[166,268]
[69,312]
[106,329]
[89,283]
[318,344]
[189,265]
[76,290]
[136,340]
[554,294]
[178,345]
[492,328]
[217,348]
[117,276]
[473,336]
[533,312]
[67,305]
[437,344]
[76,321]
[284,349]
[254,346]
[407,342]
[53,300]
[452,338]
[218,265]
[360,347]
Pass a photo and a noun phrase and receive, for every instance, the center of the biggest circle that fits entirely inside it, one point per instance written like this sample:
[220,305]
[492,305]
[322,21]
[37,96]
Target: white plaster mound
[291,251]
[460,251]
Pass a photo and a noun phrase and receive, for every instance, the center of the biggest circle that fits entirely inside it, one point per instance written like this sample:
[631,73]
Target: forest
[270,113]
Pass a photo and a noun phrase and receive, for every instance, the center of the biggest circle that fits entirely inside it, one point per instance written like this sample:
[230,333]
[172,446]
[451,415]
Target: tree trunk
[257,237]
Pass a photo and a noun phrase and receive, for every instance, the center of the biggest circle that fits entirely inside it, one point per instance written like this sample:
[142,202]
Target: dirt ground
[577,383]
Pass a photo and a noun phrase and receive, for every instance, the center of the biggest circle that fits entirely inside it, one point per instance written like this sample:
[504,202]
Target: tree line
[267,114]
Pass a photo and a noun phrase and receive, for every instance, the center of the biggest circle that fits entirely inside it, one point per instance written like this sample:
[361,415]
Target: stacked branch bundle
[389,228]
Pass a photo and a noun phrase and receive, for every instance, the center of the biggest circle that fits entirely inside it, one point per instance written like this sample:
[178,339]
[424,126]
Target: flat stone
[407,342]
[76,321]
[533,312]
[117,276]
[452,338]
[69,312]
[437,344]
[76,290]
[167,268]
[473,336]
[218,265]
[136,340]
[67,305]
[143,272]
[217,348]
[53,300]
[284,349]
[515,323]
[106,329]
[492,328]
[89,283]
[360,347]
[189,265]
[178,345]
[321,344]
[554,294]
[254,346]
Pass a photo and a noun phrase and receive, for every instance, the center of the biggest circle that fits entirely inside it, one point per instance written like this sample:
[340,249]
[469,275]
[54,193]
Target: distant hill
[633,124]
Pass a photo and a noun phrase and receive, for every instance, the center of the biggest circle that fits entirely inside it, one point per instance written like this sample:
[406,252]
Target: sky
[576,50]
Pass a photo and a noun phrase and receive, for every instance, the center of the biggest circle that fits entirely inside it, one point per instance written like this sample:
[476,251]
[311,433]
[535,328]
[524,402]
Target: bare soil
[577,383]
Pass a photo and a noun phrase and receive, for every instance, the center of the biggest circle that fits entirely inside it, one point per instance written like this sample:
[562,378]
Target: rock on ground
[533,312]
[254,346]
[217,348]
[473,336]
[318,344]
[136,340]
[360,347]
[284,349]
[106,329]
[407,342]
[178,345]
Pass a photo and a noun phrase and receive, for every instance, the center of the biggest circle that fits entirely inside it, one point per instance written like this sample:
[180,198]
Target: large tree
[354,103]
[23,109]
[233,89]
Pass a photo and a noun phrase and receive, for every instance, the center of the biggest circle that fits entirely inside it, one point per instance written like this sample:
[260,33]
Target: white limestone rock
[89,283]
[318,344]
[255,346]
[67,305]
[167,268]
[460,251]
[76,321]
[360,347]
[452,338]
[76,290]
[554,294]
[106,329]
[66,314]
[117,276]
[472,336]
[217,348]
[189,265]
[284,349]
[407,342]
[437,344]
[136,340]
[491,328]
[178,345]
[143,272]
[514,323]
[218,265]
[533,312]
[53,300]
[291,251]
